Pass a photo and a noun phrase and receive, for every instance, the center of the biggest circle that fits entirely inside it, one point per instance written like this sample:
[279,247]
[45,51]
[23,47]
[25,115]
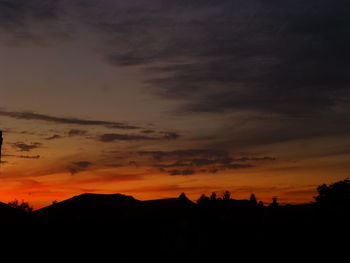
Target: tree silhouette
[226,195]
[261,204]
[337,193]
[203,199]
[274,202]
[252,200]
[23,206]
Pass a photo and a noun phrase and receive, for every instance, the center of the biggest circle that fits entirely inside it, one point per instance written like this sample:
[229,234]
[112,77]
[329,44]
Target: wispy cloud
[76,132]
[182,172]
[210,153]
[63,120]
[192,161]
[76,167]
[54,137]
[111,137]
[24,147]
[22,156]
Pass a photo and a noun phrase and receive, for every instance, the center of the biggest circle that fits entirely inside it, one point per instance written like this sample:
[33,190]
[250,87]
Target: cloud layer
[24,147]
[283,59]
[191,161]
[63,120]
[287,57]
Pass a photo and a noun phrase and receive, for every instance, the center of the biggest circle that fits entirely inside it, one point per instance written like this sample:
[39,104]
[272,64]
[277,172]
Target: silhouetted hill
[169,205]
[120,223]
[174,228]
[108,207]
[177,229]
[90,207]
[8,213]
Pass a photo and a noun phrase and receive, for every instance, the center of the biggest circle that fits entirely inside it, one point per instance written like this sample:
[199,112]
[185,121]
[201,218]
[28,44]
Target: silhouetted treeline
[176,229]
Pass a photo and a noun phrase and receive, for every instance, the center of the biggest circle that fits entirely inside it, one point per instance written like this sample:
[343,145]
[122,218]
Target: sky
[158,97]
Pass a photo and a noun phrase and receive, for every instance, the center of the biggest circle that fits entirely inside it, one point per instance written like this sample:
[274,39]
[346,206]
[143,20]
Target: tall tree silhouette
[213,196]
[274,202]
[252,200]
[226,195]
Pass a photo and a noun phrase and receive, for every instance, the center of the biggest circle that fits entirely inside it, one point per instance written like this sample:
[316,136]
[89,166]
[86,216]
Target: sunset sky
[152,98]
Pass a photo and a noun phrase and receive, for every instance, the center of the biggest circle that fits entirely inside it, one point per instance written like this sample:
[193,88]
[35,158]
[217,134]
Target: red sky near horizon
[155,98]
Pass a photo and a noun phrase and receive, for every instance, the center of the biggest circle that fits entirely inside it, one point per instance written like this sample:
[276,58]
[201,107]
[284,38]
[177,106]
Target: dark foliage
[22,206]
[336,194]
[124,229]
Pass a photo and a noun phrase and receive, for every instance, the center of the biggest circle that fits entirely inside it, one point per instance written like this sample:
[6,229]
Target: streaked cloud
[63,120]
[22,156]
[76,167]
[111,137]
[24,147]
[54,137]
[76,132]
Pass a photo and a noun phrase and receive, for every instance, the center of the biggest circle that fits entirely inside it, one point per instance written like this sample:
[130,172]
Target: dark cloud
[182,172]
[75,132]
[170,135]
[260,130]
[213,170]
[111,137]
[113,165]
[197,162]
[133,163]
[24,147]
[82,164]
[170,165]
[62,120]
[288,57]
[17,11]
[147,131]
[235,166]
[203,162]
[281,58]
[76,167]
[72,170]
[53,137]
[191,161]
[32,21]
[22,156]
[178,154]
[244,159]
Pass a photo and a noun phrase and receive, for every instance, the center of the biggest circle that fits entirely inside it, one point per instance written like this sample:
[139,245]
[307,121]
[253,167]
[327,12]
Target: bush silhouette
[23,206]
[213,196]
[274,202]
[334,194]
[203,200]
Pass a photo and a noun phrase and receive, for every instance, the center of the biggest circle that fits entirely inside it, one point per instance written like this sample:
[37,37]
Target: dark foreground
[122,229]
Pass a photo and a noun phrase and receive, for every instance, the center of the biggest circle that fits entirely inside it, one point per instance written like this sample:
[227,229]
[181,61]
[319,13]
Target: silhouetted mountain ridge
[131,229]
[90,206]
